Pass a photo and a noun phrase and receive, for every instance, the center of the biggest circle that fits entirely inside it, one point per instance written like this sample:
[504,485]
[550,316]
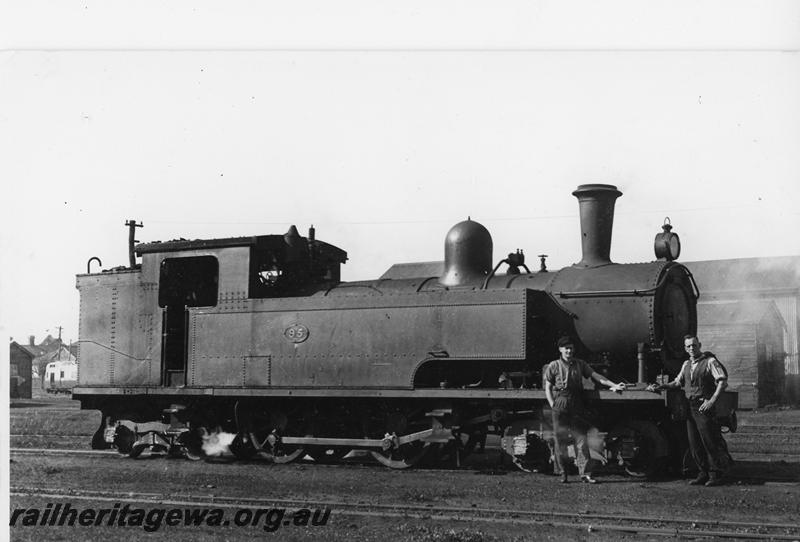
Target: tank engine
[258,337]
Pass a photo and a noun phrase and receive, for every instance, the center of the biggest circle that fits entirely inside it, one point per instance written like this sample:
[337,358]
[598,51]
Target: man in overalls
[703,378]
[563,385]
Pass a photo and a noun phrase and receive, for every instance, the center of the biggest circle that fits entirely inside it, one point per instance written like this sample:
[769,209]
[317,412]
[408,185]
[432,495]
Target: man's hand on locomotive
[618,387]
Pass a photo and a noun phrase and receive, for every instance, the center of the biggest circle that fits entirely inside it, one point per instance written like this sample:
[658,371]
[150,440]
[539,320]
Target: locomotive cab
[131,314]
[201,273]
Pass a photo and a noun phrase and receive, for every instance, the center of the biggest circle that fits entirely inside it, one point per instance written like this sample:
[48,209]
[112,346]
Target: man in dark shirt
[703,378]
[563,385]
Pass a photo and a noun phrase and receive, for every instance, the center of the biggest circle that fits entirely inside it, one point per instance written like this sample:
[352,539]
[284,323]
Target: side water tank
[467,254]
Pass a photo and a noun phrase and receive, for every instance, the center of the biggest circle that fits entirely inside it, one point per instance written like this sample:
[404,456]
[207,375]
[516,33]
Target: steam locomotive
[257,337]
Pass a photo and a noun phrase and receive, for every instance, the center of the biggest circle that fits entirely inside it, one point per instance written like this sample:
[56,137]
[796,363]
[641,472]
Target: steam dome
[467,254]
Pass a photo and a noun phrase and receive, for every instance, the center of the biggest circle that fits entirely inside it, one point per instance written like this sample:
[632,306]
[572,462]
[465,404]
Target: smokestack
[32,340]
[596,202]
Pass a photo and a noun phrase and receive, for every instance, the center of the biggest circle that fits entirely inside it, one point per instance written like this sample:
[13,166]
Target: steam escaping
[597,445]
[217,443]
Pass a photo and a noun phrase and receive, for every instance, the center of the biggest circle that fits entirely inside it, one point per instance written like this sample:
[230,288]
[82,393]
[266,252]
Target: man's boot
[714,480]
[701,479]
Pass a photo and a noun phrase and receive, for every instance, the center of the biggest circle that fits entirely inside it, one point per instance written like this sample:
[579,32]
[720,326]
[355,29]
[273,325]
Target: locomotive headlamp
[667,244]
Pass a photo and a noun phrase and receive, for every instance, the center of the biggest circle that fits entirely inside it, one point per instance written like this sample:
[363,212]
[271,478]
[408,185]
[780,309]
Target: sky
[384,124]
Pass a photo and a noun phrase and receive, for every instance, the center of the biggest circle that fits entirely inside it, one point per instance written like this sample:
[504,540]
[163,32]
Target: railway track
[749,447]
[62,451]
[42,435]
[742,476]
[641,525]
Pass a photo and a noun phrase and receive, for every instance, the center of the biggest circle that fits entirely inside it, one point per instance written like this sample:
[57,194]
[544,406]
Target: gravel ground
[776,502]
[338,528]
[759,489]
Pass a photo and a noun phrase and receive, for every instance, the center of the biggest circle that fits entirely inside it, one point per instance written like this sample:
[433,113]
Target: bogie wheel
[647,447]
[136,450]
[265,428]
[192,443]
[175,452]
[286,454]
[124,439]
[242,446]
[459,448]
[538,455]
[98,438]
[406,455]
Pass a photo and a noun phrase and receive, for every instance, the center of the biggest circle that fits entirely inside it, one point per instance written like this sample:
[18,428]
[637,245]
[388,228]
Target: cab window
[188,282]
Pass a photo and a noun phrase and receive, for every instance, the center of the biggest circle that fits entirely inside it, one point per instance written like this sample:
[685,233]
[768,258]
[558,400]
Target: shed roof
[412,270]
[31,350]
[737,313]
[747,274]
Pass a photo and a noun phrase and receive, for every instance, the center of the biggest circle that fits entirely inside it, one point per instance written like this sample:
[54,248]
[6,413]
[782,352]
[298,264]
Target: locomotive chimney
[596,203]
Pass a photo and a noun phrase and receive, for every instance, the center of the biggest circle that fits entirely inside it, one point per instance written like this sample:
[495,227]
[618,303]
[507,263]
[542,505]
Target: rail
[587,522]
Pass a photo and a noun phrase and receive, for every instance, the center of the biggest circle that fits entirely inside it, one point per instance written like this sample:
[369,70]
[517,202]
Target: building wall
[20,373]
[787,306]
[770,358]
[735,347]
[752,355]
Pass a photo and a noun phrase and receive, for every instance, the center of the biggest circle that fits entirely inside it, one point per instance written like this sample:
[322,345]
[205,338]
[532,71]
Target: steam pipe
[494,271]
[613,293]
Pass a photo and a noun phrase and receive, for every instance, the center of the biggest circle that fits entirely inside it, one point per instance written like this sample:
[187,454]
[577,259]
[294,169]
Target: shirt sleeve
[716,369]
[682,373]
[586,370]
[549,374]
